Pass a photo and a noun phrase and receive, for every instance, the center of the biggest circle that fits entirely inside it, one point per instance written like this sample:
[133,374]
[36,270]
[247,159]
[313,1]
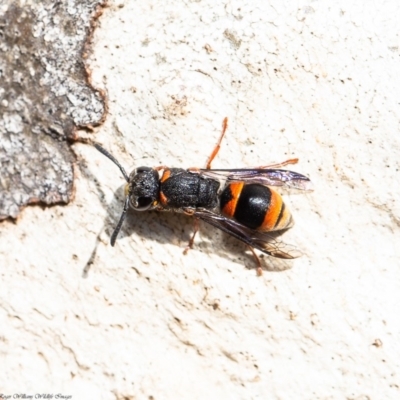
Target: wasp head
[143,188]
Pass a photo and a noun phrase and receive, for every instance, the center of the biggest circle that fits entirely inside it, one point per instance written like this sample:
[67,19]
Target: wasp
[246,206]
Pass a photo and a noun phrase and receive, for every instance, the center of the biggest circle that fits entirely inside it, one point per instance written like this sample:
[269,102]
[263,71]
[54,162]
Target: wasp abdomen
[181,189]
[255,206]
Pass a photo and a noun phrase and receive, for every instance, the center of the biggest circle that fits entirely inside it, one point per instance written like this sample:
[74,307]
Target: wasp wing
[262,175]
[259,240]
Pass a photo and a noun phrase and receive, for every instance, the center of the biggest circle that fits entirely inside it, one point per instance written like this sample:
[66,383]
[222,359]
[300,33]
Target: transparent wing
[262,175]
[259,240]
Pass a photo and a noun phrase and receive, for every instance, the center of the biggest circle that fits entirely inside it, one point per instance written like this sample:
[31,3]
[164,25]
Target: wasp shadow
[166,227]
[216,241]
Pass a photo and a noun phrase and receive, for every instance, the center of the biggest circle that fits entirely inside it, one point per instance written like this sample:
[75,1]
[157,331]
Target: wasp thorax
[143,188]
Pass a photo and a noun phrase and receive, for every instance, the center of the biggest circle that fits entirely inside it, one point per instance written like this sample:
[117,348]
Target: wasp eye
[143,203]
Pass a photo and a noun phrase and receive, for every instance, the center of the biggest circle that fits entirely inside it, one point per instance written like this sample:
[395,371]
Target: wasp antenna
[120,222]
[113,159]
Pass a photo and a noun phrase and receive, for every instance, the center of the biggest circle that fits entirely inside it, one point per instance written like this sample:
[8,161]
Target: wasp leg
[217,147]
[191,240]
[280,165]
[258,261]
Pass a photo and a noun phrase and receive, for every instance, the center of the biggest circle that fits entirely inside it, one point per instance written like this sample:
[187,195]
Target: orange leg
[191,241]
[280,165]
[259,269]
[217,147]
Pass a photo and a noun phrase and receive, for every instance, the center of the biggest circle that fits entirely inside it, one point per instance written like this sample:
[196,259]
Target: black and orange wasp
[246,206]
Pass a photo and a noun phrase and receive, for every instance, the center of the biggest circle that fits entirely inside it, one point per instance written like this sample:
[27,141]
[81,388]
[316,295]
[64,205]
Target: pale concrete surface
[307,79]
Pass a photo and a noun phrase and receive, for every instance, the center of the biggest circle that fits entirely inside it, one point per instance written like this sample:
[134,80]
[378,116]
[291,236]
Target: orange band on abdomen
[273,212]
[229,208]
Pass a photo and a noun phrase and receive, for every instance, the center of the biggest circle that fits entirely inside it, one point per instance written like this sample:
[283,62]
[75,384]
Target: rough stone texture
[317,80]
[44,96]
